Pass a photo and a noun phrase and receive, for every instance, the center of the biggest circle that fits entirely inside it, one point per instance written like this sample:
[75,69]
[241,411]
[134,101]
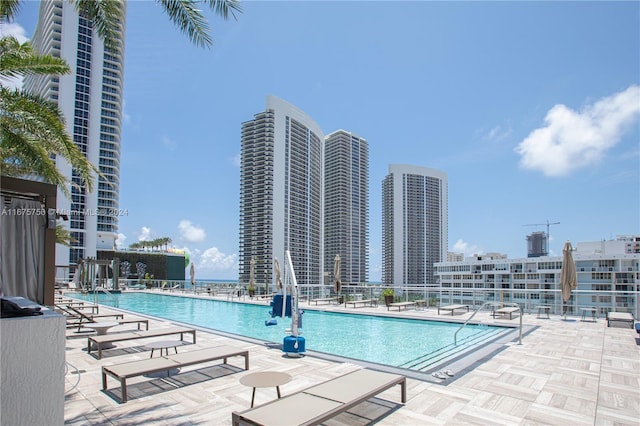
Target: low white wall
[32,367]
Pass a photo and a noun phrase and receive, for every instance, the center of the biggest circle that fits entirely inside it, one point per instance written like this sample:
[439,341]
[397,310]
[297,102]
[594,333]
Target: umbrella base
[293,345]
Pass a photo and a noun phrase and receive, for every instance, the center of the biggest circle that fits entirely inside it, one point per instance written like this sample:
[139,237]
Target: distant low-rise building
[608,279]
[455,257]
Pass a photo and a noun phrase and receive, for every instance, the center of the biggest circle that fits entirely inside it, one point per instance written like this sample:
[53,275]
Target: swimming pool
[398,342]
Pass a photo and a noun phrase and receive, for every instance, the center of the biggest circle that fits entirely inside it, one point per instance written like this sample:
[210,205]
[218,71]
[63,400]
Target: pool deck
[565,372]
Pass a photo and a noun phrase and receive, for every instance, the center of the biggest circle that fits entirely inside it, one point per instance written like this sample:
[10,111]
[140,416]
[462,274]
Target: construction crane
[548,224]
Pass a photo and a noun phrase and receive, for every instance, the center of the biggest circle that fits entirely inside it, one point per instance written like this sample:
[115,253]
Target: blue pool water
[405,343]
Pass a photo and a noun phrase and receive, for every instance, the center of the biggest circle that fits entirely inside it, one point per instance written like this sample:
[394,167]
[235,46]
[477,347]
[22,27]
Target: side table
[265,379]
[163,344]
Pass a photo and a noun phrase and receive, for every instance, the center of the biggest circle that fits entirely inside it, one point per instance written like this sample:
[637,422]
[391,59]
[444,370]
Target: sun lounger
[84,320]
[620,317]
[452,308]
[319,403]
[366,302]
[122,372]
[76,304]
[506,310]
[326,300]
[401,305]
[165,287]
[80,318]
[99,340]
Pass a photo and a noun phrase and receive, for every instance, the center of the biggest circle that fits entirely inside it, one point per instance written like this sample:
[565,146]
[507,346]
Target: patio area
[565,372]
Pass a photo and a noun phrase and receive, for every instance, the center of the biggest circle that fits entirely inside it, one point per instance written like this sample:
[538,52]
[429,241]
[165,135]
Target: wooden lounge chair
[320,403]
[452,308]
[620,317]
[506,310]
[122,372]
[76,317]
[365,302]
[84,320]
[98,340]
[400,305]
[327,300]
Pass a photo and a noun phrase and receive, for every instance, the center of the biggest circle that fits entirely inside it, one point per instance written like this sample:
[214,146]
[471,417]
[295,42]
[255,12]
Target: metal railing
[100,289]
[603,301]
[493,305]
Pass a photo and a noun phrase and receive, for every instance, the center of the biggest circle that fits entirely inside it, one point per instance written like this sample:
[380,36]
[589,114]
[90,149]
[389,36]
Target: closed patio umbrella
[276,266]
[337,284]
[192,272]
[252,272]
[568,274]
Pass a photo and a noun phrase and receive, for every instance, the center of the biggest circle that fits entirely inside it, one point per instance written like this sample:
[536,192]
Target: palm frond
[225,7]
[9,9]
[107,17]
[190,20]
[63,236]
[29,120]
[19,59]
[24,157]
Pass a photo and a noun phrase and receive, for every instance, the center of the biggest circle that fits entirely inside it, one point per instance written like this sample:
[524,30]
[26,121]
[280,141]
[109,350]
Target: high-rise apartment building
[537,244]
[414,224]
[281,193]
[346,205]
[90,98]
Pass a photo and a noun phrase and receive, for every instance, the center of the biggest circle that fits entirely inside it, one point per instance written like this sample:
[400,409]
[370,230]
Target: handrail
[455,335]
[105,291]
[236,290]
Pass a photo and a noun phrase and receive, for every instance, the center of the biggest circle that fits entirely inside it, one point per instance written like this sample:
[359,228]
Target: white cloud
[575,139]
[168,142]
[214,260]
[126,118]
[466,248]
[498,133]
[190,232]
[120,240]
[236,160]
[145,234]
[15,30]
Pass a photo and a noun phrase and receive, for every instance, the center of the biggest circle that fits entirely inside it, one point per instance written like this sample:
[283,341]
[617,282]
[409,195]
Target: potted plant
[388,294]
[147,279]
[251,289]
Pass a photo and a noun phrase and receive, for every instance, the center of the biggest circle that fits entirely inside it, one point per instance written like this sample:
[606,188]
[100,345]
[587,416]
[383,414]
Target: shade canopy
[568,274]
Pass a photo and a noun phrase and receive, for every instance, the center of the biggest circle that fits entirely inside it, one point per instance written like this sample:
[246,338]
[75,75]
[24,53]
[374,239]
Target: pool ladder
[455,335]
[105,291]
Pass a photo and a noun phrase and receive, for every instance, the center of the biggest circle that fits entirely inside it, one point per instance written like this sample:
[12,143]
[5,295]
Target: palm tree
[31,128]
[107,16]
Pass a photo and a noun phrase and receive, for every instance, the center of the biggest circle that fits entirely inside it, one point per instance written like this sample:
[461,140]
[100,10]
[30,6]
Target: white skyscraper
[414,224]
[90,98]
[281,193]
[346,205]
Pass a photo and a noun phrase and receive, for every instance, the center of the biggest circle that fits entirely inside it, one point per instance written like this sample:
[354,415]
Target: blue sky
[532,110]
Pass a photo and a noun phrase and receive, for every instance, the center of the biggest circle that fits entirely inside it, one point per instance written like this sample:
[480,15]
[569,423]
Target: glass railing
[429,296]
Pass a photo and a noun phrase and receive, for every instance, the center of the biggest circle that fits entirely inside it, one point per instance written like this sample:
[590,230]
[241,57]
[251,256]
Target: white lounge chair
[99,340]
[320,403]
[122,372]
